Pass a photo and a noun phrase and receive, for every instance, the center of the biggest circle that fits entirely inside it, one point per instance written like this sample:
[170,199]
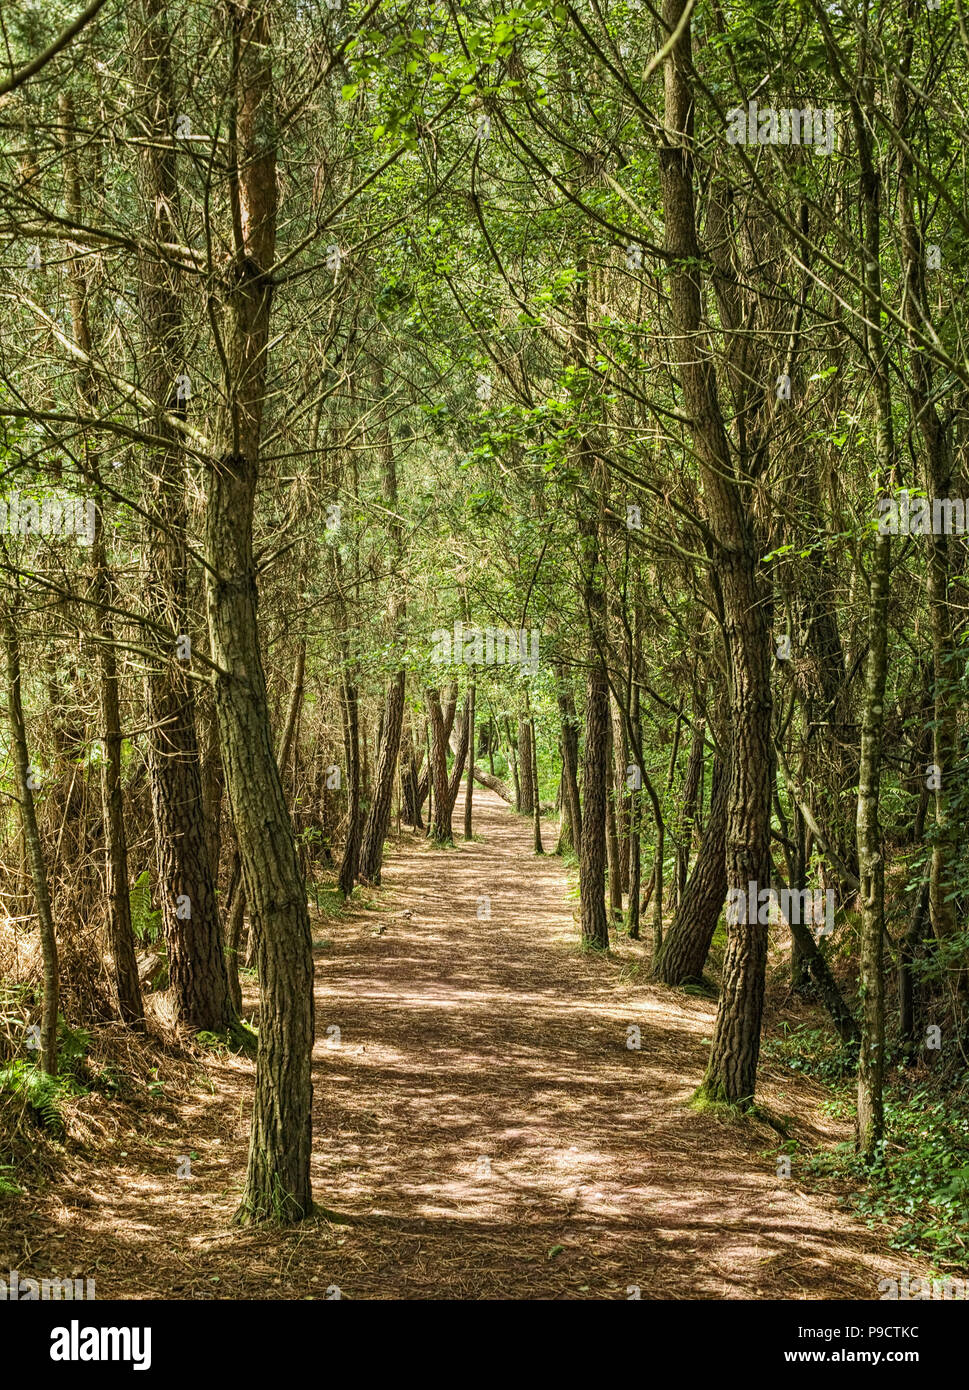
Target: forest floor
[479,1119]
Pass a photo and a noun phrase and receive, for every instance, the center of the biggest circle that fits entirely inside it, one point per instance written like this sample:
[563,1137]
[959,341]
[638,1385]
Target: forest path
[481,1120]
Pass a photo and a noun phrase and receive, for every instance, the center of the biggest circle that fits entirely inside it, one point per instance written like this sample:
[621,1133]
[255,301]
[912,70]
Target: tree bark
[732,1068]
[687,943]
[103,592]
[277,1181]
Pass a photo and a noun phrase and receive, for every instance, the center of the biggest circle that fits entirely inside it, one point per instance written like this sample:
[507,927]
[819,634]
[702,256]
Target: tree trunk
[592,854]
[278,1175]
[732,1068]
[378,817]
[469,785]
[570,756]
[871,860]
[350,863]
[687,943]
[35,853]
[526,800]
[190,913]
[613,857]
[441,821]
[536,794]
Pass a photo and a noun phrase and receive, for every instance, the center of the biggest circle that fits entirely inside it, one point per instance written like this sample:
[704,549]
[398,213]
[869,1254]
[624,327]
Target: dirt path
[480,1117]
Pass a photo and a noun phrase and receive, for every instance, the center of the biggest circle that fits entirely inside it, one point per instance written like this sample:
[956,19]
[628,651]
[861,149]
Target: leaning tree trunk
[687,943]
[277,1181]
[732,1069]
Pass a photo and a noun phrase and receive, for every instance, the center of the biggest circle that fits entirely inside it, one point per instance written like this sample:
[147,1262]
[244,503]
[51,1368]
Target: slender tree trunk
[732,1068]
[469,785]
[614,861]
[871,860]
[35,852]
[441,822]
[592,854]
[635,808]
[378,817]
[938,471]
[349,866]
[687,818]
[278,1175]
[526,800]
[537,797]
[103,592]
[570,756]
[687,943]
[190,913]
[513,760]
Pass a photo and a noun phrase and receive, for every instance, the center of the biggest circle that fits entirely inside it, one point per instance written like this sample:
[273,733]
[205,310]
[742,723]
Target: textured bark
[278,1174]
[288,735]
[189,906]
[441,818]
[513,760]
[378,816]
[104,595]
[495,784]
[732,1068]
[690,933]
[688,802]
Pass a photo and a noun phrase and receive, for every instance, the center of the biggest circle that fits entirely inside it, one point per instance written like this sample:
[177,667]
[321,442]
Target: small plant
[813,1052]
[145,919]
[8,1188]
[44,1095]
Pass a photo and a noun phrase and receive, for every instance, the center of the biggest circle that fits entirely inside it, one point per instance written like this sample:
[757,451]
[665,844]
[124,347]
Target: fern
[45,1095]
[8,1188]
[145,919]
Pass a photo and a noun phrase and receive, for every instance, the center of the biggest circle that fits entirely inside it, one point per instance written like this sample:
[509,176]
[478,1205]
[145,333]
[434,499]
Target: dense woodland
[407,408]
